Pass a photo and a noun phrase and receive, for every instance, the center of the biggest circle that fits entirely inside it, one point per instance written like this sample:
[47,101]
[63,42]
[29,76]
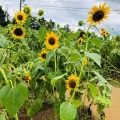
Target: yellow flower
[80,41]
[84,36]
[43,54]
[104,32]
[18,32]
[51,41]
[20,17]
[27,77]
[98,14]
[71,82]
[86,61]
[27,9]
[107,33]
[102,29]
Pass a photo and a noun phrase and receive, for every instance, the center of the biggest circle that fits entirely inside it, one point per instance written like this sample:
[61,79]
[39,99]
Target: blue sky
[68,11]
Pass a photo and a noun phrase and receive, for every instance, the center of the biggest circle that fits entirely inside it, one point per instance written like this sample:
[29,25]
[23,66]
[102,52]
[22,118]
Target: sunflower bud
[40,12]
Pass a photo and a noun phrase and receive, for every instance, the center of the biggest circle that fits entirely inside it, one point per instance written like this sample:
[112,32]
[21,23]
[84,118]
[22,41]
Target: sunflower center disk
[43,55]
[20,17]
[18,32]
[72,83]
[51,41]
[98,16]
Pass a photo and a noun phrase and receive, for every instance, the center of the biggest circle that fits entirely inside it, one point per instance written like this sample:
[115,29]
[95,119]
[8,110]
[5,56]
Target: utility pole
[21,3]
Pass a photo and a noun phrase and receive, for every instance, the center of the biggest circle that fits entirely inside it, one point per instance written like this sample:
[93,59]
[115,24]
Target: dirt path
[113,113]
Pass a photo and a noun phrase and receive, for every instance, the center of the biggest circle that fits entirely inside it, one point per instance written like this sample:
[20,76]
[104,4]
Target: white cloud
[68,11]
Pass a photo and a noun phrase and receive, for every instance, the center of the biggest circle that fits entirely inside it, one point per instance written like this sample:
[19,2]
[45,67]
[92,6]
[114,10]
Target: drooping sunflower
[27,9]
[51,41]
[42,55]
[71,82]
[27,77]
[18,32]
[20,17]
[98,14]
[80,41]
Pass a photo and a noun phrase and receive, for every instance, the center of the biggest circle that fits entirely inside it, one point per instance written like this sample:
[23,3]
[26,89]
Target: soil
[46,113]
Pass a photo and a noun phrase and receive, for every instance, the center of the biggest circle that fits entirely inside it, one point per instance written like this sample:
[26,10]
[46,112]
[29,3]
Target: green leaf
[93,89]
[68,111]
[27,23]
[42,33]
[3,42]
[74,57]
[57,106]
[77,103]
[2,116]
[94,56]
[100,77]
[13,98]
[35,107]
[96,41]
[53,80]
[102,81]
[3,92]
[23,90]
[60,87]
[48,86]
[49,56]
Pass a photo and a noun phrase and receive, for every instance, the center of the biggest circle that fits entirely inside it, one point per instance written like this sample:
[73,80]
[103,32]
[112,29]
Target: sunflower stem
[55,61]
[16,116]
[82,66]
[4,76]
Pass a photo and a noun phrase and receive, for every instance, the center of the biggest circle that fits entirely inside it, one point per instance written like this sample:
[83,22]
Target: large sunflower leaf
[74,57]
[13,98]
[94,56]
[68,111]
[96,41]
[49,56]
[3,41]
[42,33]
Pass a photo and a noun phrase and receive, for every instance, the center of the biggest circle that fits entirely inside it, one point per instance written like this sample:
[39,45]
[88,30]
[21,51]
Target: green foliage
[67,111]
[13,98]
[2,116]
[96,57]
[34,107]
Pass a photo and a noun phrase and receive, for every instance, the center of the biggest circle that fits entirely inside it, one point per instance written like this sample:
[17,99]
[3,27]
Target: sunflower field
[44,63]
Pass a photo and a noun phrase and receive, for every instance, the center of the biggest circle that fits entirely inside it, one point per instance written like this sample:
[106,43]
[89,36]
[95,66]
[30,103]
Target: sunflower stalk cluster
[53,66]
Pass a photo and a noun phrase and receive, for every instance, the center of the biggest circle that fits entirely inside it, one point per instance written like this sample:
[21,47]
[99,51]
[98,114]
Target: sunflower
[51,41]
[27,77]
[43,54]
[98,14]
[80,41]
[27,9]
[20,17]
[71,82]
[18,32]
[104,32]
